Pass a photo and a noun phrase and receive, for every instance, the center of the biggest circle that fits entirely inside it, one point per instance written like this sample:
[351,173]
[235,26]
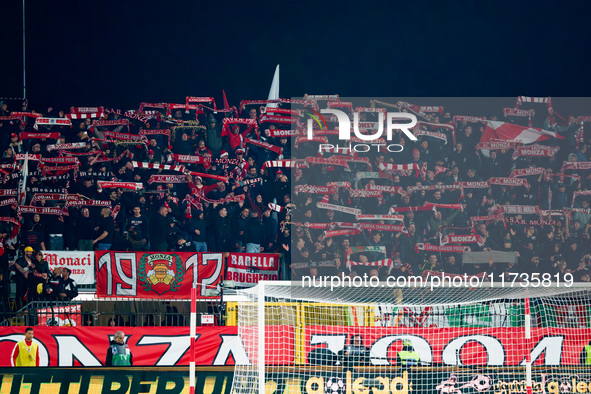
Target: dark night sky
[118,54]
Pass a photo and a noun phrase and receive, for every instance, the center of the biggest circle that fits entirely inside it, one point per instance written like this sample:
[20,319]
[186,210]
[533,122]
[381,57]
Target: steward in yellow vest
[26,352]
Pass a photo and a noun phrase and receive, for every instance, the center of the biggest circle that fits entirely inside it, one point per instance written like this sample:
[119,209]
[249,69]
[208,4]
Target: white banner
[246,269]
[80,263]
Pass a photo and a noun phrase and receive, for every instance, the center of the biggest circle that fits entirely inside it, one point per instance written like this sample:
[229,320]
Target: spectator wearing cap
[173,233]
[158,230]
[213,134]
[15,144]
[104,231]
[235,137]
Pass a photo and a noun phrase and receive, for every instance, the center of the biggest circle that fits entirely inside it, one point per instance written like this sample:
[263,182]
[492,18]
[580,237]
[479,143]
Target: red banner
[157,275]
[168,346]
[473,346]
[68,315]
[246,269]
[150,346]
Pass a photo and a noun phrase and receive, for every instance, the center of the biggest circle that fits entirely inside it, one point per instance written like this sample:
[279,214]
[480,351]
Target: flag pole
[24,69]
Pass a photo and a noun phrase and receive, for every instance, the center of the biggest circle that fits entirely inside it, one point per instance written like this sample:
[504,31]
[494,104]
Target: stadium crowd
[194,178]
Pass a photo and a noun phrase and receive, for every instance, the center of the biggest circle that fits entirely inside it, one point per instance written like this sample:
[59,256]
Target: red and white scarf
[315,189]
[52,122]
[8,201]
[527,172]
[107,123]
[264,145]
[91,203]
[462,239]
[39,210]
[121,185]
[318,139]
[58,170]
[168,179]
[59,160]
[284,163]
[190,159]
[524,113]
[277,119]
[73,145]
[57,197]
[518,209]
[492,145]
[212,176]
[147,132]
[576,165]
[535,150]
[325,205]
[26,114]
[441,249]
[326,161]
[276,133]
[439,136]
[123,136]
[365,193]
[156,166]
[508,181]
[398,218]
[399,167]
[86,112]
[31,136]
[338,233]
[383,227]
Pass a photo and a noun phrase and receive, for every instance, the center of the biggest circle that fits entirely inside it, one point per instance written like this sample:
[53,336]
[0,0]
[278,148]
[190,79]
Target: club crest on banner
[160,272]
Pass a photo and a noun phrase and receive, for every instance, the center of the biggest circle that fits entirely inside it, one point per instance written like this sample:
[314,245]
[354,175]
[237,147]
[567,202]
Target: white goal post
[383,339]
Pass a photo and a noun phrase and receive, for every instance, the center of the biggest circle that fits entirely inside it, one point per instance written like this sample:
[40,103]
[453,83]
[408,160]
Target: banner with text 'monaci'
[246,269]
[81,264]
[157,275]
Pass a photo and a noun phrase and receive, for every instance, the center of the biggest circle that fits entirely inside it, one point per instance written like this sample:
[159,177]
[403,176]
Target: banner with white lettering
[58,316]
[246,269]
[157,275]
[467,339]
[80,263]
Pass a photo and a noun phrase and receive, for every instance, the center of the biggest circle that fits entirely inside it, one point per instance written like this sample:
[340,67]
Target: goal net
[305,339]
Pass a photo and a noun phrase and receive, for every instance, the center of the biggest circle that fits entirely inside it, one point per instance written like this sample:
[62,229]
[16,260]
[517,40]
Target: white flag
[274,91]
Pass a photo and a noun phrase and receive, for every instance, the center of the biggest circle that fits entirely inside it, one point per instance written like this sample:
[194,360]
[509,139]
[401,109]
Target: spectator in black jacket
[254,233]
[222,231]
[104,231]
[137,230]
[84,229]
[158,230]
[67,287]
[198,233]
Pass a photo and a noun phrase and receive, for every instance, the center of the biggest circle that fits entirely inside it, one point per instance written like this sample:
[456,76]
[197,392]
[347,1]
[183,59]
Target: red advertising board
[169,346]
[150,346]
[246,269]
[458,346]
[157,275]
